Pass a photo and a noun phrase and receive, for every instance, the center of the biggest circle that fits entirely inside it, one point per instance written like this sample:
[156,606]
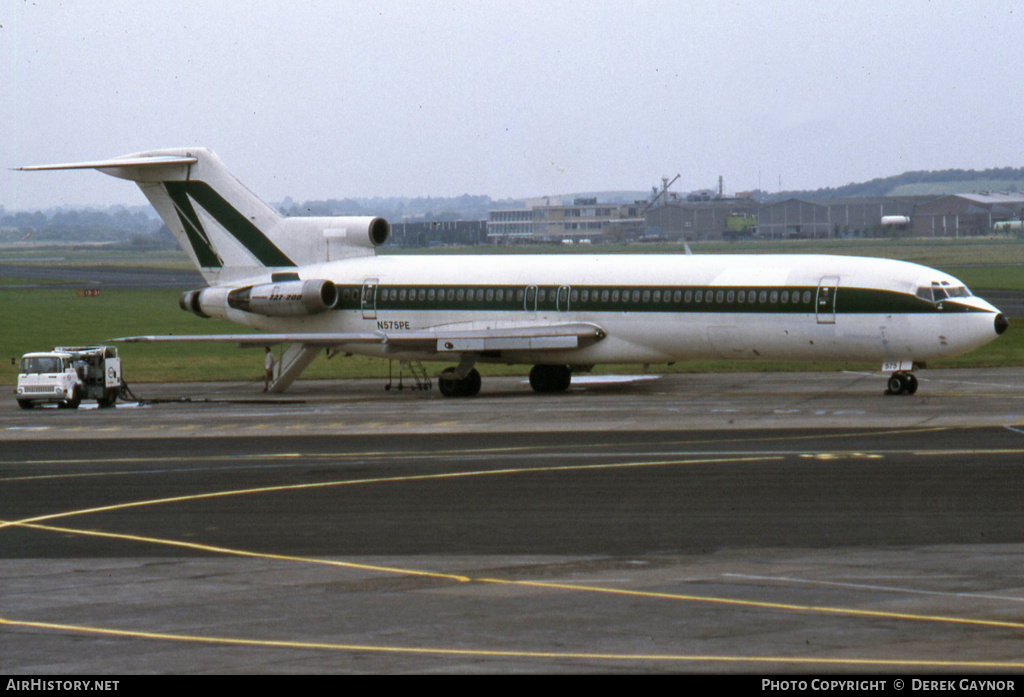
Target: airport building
[964,215]
[550,220]
[438,233]
[710,216]
[833,218]
[701,219]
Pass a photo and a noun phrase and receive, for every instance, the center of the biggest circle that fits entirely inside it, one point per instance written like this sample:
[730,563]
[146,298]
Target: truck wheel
[76,399]
[26,403]
[108,399]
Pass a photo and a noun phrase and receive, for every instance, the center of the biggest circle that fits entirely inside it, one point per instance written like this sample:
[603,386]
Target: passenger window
[762,297]
[699,297]
[742,297]
[807,297]
[689,296]
[720,296]
[785,297]
[657,296]
[615,296]
[730,297]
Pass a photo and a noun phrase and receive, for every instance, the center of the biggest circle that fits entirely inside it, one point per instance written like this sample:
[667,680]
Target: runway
[819,531]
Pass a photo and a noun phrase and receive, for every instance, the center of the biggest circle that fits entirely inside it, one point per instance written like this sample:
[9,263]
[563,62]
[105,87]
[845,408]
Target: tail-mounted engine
[281,299]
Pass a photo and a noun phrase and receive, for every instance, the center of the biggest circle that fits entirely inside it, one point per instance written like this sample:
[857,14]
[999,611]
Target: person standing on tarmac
[268,364]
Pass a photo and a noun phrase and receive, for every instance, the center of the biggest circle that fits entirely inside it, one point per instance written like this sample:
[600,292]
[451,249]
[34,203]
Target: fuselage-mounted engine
[277,299]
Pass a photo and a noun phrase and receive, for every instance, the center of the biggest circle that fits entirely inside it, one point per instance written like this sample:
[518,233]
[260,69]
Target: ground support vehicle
[67,375]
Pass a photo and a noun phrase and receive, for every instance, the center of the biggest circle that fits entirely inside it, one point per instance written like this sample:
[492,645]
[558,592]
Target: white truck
[67,375]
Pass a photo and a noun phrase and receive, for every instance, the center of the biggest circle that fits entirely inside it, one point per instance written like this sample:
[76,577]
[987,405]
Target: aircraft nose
[1002,324]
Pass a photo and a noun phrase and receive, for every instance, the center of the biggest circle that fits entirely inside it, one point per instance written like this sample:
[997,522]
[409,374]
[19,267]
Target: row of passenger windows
[588,296]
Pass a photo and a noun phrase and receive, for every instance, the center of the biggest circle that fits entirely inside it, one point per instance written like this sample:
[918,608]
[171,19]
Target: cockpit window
[941,290]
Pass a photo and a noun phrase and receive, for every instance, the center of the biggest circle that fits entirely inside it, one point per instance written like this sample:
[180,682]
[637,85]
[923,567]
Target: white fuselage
[769,307]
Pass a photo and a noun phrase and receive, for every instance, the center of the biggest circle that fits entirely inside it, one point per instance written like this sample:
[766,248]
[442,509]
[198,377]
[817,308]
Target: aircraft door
[368,300]
[562,301]
[530,303]
[825,301]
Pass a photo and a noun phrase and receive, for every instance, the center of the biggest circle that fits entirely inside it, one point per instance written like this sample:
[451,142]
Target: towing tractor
[67,375]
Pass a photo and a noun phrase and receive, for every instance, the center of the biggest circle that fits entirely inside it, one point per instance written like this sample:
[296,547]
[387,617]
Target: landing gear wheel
[901,383]
[911,387]
[548,379]
[451,386]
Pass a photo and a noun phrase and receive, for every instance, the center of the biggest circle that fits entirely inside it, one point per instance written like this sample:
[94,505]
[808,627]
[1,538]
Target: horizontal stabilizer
[152,161]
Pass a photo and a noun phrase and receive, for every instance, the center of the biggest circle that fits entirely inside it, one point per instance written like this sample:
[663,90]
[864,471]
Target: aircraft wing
[437,340]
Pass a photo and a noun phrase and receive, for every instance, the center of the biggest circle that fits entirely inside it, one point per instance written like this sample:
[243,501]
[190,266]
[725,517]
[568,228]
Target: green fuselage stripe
[718,299]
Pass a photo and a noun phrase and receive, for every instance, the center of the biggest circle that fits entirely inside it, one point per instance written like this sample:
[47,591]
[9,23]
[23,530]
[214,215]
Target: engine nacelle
[285,298]
[357,231]
[190,302]
[280,299]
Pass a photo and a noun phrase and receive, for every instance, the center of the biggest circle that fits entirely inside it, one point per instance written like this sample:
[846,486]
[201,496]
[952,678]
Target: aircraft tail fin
[227,230]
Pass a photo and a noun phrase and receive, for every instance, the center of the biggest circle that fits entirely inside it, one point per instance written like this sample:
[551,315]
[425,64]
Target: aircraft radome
[316,284]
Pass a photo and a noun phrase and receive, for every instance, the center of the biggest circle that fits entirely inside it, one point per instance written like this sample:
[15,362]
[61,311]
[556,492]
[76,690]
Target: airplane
[317,284]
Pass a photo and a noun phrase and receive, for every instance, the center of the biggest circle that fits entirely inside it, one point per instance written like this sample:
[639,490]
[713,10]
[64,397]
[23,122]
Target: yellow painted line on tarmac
[180,544]
[35,522]
[853,612]
[714,600]
[499,653]
[384,480]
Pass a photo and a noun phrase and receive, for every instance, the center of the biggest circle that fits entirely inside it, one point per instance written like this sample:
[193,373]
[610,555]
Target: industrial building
[964,215]
[707,215]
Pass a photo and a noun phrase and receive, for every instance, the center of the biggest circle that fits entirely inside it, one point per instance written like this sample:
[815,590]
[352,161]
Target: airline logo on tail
[186,193]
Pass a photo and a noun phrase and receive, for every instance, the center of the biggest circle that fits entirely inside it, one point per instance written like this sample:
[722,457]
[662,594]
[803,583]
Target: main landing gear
[548,379]
[901,383]
[452,386]
[544,379]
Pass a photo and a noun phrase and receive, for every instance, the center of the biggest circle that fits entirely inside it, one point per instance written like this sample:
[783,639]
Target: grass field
[33,319]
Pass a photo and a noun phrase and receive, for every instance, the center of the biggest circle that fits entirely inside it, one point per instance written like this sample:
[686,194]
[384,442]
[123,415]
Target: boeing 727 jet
[317,284]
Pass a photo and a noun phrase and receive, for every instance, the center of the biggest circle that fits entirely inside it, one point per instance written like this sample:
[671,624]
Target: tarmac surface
[762,523]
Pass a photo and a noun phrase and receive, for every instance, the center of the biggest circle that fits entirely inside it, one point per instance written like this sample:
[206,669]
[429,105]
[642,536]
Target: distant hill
[937,183]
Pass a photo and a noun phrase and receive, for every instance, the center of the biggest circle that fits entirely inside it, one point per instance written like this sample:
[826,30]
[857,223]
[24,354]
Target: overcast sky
[335,99]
